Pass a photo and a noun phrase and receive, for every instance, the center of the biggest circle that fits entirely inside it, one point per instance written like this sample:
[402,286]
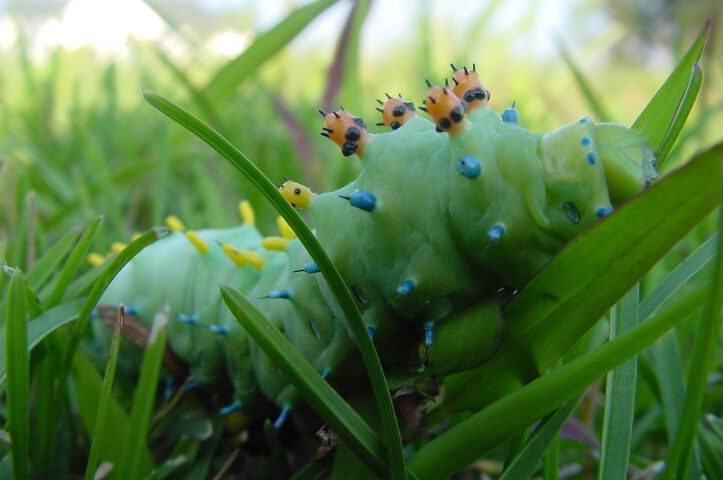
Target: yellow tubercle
[275,243]
[297,194]
[237,421]
[242,258]
[247,213]
[285,229]
[95,259]
[135,236]
[117,247]
[198,242]
[175,223]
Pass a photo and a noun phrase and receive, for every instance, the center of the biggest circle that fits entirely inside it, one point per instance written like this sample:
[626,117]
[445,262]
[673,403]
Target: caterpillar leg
[465,339]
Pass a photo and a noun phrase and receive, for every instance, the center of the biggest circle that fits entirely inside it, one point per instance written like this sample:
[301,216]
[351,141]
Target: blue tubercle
[191,385]
[603,212]
[236,405]
[168,390]
[279,294]
[406,287]
[285,410]
[511,116]
[371,331]
[495,233]
[130,310]
[428,334]
[591,158]
[362,200]
[325,374]
[189,319]
[468,166]
[219,329]
[310,267]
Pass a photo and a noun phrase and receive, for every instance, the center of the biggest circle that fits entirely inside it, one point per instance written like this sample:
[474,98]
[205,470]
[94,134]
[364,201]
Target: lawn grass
[78,140]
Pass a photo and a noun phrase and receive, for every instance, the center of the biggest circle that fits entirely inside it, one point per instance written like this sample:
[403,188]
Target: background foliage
[77,141]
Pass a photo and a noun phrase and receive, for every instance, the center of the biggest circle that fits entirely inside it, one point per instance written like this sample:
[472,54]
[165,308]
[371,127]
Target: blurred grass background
[76,132]
[77,140]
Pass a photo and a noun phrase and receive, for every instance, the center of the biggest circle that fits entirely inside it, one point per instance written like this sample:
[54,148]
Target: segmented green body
[433,228]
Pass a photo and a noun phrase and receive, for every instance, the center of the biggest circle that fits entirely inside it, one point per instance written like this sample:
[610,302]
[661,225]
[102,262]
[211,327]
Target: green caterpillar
[446,217]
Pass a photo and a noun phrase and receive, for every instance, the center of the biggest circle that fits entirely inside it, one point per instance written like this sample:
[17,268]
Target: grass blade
[681,116]
[105,394]
[223,85]
[525,463]
[42,326]
[18,388]
[680,275]
[656,119]
[144,399]
[63,279]
[47,263]
[328,269]
[681,452]
[88,386]
[591,97]
[619,396]
[325,400]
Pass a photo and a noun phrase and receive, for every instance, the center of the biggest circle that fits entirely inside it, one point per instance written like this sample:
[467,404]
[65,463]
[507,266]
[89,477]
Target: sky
[107,24]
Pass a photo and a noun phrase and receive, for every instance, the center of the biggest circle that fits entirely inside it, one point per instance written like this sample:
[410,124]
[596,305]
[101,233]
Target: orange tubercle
[347,131]
[396,112]
[446,109]
[468,87]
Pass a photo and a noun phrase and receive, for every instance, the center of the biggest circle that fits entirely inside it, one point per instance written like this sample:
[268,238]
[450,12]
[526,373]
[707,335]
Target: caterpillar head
[347,131]
[446,109]
[468,87]
[395,112]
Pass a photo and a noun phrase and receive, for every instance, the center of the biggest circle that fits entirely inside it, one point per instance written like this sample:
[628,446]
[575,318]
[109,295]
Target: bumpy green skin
[430,225]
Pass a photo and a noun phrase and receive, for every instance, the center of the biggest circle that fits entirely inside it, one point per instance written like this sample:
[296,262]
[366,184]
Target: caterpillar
[447,217]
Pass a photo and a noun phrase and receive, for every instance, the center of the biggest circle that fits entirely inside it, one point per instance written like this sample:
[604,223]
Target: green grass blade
[555,308]
[681,452]
[680,275]
[619,396]
[590,97]
[324,399]
[223,85]
[488,428]
[105,393]
[711,446]
[525,463]
[656,119]
[42,326]
[18,388]
[133,465]
[88,386]
[63,279]
[49,261]
[681,116]
[336,284]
